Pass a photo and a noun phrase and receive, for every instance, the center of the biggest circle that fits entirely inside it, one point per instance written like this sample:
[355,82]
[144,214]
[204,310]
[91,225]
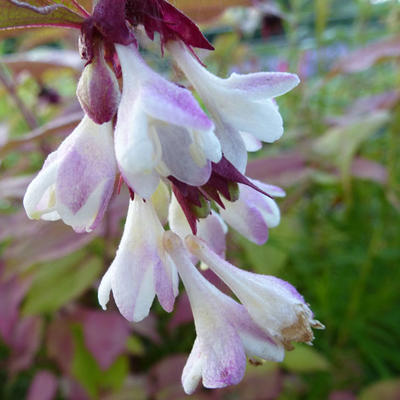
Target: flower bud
[98,90]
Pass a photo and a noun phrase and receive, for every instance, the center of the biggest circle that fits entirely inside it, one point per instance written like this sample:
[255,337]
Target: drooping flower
[225,331]
[185,170]
[241,105]
[254,212]
[161,130]
[275,305]
[76,181]
[141,269]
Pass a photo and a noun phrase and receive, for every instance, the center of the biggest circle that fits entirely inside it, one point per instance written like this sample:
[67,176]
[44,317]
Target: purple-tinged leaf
[366,57]
[285,169]
[342,395]
[12,292]
[388,389]
[182,313]
[367,169]
[148,328]
[24,14]
[43,386]
[37,62]
[63,124]
[166,376]
[60,344]
[57,240]
[25,343]
[14,187]
[104,343]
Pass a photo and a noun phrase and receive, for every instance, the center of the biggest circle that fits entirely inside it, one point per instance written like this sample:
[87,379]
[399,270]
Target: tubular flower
[77,180]
[241,105]
[273,304]
[161,130]
[184,167]
[141,268]
[225,330]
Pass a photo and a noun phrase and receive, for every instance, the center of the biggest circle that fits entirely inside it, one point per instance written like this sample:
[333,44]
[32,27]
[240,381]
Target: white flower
[274,305]
[77,180]
[225,331]
[141,268]
[241,106]
[161,130]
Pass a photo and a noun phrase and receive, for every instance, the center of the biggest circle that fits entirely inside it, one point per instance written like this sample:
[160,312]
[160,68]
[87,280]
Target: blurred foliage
[338,243]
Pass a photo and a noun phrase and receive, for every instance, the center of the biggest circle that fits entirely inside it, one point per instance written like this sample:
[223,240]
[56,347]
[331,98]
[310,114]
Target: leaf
[88,373]
[305,359]
[383,390]
[23,14]
[57,283]
[105,344]
[56,241]
[366,57]
[60,125]
[43,386]
[38,62]
[341,143]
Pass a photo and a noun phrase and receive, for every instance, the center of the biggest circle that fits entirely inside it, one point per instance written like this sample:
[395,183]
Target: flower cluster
[185,169]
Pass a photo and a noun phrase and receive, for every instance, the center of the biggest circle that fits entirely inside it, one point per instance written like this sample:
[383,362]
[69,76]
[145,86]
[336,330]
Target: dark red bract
[223,182]
[162,17]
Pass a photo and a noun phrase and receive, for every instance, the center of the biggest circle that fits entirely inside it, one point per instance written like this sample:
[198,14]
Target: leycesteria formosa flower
[184,166]
[241,105]
[76,181]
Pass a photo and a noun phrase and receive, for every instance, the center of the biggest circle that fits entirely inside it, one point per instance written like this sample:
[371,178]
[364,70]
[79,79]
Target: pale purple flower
[241,106]
[274,305]
[141,269]
[161,130]
[254,212]
[225,331]
[77,180]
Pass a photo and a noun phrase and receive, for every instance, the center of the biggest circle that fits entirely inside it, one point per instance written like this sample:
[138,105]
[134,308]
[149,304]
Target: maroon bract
[162,17]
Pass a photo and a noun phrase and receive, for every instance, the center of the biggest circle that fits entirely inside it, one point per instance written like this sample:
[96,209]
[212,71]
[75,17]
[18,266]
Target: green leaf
[341,144]
[305,359]
[86,370]
[24,13]
[384,390]
[57,283]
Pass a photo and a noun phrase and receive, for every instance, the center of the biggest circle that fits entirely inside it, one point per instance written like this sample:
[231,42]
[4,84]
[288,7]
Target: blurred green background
[338,242]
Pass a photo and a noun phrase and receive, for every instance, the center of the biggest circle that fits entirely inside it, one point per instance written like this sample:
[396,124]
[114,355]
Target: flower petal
[85,176]
[175,147]
[263,85]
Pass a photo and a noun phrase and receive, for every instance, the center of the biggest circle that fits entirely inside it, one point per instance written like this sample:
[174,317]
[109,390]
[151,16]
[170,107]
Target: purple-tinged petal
[223,327]
[275,306]
[192,372]
[245,216]
[135,151]
[232,144]
[161,99]
[77,180]
[86,175]
[136,272]
[262,85]
[252,143]
[260,118]
[175,147]
[173,104]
